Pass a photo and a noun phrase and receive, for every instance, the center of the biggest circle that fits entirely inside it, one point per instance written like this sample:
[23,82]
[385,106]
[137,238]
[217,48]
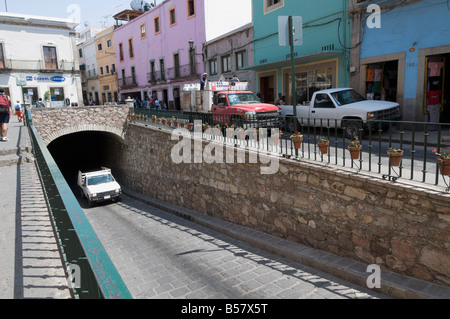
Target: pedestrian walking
[5,114]
[203,81]
[19,112]
[40,104]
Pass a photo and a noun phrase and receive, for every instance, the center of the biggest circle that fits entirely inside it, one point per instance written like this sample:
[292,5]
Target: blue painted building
[406,57]
[321,62]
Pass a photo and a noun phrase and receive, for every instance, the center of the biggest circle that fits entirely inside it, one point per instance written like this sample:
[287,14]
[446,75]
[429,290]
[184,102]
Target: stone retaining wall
[401,227]
[53,123]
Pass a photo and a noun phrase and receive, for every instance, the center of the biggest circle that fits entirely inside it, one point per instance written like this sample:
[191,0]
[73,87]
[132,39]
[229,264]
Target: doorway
[267,87]
[381,81]
[176,99]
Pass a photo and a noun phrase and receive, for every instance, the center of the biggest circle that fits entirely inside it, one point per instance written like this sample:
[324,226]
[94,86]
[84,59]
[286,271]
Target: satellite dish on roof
[140,5]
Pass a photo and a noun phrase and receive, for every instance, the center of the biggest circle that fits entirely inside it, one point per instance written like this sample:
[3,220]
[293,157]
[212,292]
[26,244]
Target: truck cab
[99,186]
[243,107]
[231,103]
[342,108]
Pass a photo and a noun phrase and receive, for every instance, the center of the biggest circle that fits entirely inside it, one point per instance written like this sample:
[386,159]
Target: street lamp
[192,56]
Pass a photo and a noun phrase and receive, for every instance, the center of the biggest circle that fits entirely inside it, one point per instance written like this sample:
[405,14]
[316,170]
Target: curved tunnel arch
[84,128]
[85,150]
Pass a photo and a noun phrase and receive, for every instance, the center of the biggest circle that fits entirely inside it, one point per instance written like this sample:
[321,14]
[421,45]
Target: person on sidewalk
[19,112]
[5,114]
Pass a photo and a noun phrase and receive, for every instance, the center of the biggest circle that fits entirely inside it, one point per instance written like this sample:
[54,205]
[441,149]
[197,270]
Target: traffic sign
[284,32]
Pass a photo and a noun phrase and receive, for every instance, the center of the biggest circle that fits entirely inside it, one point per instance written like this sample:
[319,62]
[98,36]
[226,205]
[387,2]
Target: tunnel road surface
[163,256]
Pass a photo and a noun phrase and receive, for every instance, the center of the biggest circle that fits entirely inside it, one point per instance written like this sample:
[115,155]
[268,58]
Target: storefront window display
[308,83]
[434,88]
[57,96]
[381,81]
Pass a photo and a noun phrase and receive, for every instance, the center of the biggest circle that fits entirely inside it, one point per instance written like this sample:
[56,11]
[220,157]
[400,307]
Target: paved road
[162,256]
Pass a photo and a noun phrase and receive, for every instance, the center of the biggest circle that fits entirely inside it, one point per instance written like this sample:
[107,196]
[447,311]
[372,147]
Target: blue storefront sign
[57,78]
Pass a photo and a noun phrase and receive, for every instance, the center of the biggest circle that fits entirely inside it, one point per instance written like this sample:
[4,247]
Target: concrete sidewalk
[30,263]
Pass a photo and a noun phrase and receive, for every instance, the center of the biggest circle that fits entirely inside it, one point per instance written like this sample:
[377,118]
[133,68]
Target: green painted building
[321,62]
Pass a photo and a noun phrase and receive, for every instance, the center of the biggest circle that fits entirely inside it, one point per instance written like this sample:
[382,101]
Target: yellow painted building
[106,61]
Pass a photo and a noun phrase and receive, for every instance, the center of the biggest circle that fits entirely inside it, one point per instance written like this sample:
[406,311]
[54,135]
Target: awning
[298,61]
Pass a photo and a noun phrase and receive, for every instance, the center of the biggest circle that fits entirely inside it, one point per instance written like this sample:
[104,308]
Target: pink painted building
[159,51]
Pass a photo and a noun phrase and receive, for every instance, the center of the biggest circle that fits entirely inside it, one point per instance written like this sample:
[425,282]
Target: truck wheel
[353,128]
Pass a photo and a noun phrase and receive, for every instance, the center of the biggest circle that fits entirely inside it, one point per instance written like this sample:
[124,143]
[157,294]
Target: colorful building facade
[106,61]
[403,55]
[320,62]
[160,51]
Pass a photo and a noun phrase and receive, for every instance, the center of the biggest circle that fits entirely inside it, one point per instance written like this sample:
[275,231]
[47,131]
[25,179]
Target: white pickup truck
[99,186]
[341,108]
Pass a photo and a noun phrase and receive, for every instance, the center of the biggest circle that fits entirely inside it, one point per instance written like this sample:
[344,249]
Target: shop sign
[46,78]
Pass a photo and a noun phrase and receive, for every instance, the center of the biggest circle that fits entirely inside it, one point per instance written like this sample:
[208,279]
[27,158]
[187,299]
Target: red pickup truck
[243,108]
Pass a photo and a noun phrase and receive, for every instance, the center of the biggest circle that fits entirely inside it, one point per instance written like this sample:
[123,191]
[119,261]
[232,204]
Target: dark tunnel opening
[82,151]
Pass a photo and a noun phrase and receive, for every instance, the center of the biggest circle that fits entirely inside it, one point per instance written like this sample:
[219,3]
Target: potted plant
[395,156]
[163,121]
[297,139]
[443,161]
[355,148]
[206,127]
[323,144]
[154,118]
[169,122]
[276,137]
[229,130]
[190,126]
[182,124]
[175,121]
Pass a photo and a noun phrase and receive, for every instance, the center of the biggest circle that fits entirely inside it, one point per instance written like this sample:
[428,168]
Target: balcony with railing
[38,65]
[127,82]
[157,76]
[182,71]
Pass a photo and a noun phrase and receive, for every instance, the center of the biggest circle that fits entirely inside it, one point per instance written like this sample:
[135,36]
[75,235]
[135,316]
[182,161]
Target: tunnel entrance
[84,151]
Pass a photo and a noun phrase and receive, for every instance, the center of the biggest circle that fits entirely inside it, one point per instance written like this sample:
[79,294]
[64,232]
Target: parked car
[341,108]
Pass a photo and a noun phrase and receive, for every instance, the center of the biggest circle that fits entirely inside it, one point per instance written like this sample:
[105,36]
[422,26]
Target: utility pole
[6,6]
[294,87]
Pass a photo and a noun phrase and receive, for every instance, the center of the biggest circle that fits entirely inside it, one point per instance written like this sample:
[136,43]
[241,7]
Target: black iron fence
[424,146]
[91,273]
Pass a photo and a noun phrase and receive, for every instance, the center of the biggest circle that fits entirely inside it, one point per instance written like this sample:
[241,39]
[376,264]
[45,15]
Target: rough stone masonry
[402,227]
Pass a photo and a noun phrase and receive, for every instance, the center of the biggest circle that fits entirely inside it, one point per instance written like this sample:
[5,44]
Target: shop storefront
[436,98]
[58,90]
[310,78]
[381,81]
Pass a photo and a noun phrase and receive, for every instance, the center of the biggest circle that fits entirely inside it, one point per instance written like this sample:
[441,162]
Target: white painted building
[38,59]
[87,55]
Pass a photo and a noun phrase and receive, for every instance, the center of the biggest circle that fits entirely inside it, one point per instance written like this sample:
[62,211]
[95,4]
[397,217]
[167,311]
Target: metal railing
[92,274]
[181,71]
[38,65]
[418,140]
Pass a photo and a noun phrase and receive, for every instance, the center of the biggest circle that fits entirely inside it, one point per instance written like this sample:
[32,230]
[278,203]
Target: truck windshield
[347,97]
[243,98]
[96,180]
